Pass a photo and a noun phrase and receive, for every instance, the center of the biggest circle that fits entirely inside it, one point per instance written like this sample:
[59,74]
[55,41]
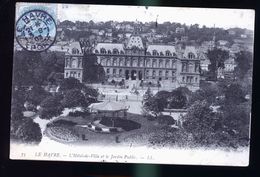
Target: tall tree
[244,60]
[94,72]
[217,58]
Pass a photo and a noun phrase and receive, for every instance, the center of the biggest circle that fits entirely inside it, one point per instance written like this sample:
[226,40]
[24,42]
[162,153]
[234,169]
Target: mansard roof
[190,49]
[110,46]
[135,41]
[74,46]
[161,48]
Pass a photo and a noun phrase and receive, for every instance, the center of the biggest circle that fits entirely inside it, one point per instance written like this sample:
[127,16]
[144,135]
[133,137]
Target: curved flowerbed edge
[52,137]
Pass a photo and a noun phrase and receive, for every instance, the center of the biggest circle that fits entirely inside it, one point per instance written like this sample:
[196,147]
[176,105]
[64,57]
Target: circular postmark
[36,30]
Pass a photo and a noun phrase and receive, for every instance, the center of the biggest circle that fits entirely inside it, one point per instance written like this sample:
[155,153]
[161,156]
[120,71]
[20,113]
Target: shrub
[79,114]
[50,107]
[169,137]
[166,120]
[74,98]
[29,131]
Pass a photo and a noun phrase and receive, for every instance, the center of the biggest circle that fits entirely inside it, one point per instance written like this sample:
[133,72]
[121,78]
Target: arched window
[168,53]
[79,63]
[173,64]
[128,62]
[141,62]
[108,62]
[147,72]
[103,51]
[148,64]
[167,64]
[103,62]
[154,73]
[190,65]
[114,62]
[191,55]
[154,52]
[160,64]
[154,64]
[166,74]
[135,62]
[74,63]
[121,62]
[120,73]
[67,62]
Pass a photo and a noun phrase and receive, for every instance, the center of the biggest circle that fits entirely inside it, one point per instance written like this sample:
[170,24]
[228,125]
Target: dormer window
[109,52]
[191,55]
[103,51]
[154,52]
[161,53]
[167,53]
[115,51]
[75,51]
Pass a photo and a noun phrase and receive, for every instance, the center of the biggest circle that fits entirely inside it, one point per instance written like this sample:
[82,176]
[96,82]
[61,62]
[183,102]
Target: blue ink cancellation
[36,30]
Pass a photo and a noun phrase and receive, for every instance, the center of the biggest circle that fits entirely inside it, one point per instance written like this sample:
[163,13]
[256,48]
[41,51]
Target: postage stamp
[35,30]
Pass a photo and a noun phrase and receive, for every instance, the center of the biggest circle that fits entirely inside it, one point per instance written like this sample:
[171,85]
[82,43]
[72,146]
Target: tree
[70,83]
[36,95]
[94,72]
[244,60]
[28,132]
[177,100]
[236,122]
[90,94]
[217,58]
[201,122]
[50,107]
[147,95]
[74,98]
[234,94]
[206,92]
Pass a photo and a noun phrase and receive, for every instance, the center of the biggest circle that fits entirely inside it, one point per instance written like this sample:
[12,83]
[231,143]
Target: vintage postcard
[132,84]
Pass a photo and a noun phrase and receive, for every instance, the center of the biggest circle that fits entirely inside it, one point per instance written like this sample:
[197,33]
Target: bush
[50,107]
[169,137]
[74,98]
[28,131]
[79,114]
[166,120]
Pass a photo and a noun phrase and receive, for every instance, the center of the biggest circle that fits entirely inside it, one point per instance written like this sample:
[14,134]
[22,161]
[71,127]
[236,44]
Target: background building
[167,65]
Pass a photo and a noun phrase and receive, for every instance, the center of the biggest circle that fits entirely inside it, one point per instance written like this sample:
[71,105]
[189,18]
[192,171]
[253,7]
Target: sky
[223,18]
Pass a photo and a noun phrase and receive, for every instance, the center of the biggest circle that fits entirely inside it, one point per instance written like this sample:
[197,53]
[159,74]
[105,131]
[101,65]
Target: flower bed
[62,133]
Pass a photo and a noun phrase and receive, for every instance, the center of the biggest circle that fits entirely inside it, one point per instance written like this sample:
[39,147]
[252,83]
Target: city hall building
[134,62]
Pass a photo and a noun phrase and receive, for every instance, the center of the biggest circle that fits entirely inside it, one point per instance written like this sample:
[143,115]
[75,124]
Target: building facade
[135,62]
